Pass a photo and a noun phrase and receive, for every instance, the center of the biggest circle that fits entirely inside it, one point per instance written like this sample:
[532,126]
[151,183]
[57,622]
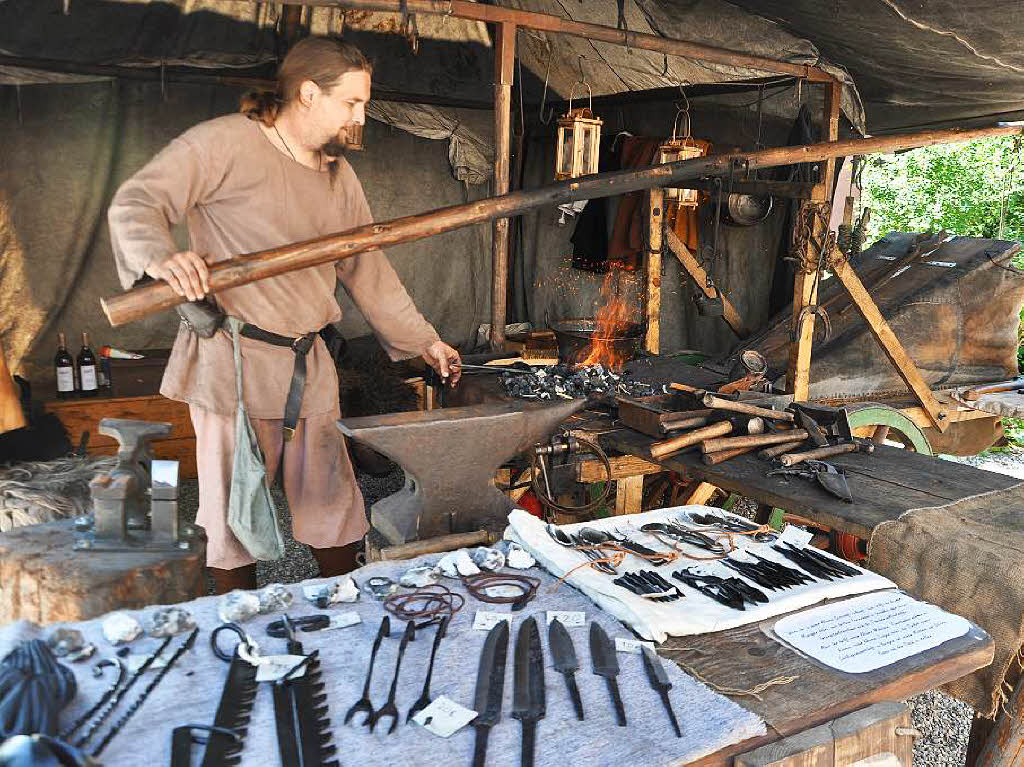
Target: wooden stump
[44,580]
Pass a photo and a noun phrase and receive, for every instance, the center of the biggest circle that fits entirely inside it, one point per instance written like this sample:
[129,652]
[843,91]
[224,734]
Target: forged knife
[659,681]
[528,704]
[564,655]
[490,684]
[602,655]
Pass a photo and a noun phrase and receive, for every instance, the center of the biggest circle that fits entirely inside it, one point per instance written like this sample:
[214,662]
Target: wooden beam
[810,232]
[696,271]
[504,62]
[652,269]
[544,22]
[795,190]
[833,100]
[883,333]
[701,494]
[243,269]
[629,495]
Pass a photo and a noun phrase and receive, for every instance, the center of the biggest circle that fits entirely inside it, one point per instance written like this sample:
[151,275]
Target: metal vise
[450,457]
[135,504]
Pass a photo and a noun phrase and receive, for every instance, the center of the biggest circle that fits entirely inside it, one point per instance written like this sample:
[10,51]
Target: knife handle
[480,747]
[574,694]
[529,741]
[620,710]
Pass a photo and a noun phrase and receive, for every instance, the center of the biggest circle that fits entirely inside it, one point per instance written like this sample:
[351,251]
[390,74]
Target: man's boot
[237,578]
[337,560]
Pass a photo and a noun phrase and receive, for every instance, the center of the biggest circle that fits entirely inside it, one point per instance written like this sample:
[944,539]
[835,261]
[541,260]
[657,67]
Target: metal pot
[577,334]
[747,209]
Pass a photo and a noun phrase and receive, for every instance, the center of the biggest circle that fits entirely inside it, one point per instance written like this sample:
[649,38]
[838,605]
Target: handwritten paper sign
[869,632]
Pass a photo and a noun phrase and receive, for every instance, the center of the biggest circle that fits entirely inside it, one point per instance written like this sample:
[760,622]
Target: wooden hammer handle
[774,450]
[675,444]
[718,403]
[710,459]
[791,459]
[756,440]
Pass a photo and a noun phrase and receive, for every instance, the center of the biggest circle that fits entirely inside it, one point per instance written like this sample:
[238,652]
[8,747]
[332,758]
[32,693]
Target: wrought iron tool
[528,700]
[602,655]
[424,700]
[364,704]
[300,711]
[490,684]
[659,681]
[389,708]
[225,738]
[563,653]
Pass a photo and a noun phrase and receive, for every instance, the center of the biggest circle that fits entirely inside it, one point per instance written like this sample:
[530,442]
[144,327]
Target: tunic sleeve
[375,289]
[156,198]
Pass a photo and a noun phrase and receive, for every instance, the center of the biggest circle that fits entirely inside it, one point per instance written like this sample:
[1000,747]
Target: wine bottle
[87,369]
[65,368]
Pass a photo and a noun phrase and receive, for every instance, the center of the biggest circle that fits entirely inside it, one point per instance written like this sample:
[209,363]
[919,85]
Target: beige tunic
[240,194]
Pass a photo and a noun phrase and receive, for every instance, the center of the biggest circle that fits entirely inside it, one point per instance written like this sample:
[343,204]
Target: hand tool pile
[721,428]
[721,569]
[529,686]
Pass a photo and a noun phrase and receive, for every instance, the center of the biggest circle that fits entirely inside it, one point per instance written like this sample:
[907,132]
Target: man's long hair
[320,59]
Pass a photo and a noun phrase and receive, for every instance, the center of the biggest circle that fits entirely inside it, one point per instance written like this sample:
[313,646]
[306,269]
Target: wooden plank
[629,495]
[81,415]
[747,656]
[504,61]
[701,494]
[812,220]
[882,332]
[833,102]
[1003,745]
[11,415]
[652,269]
[245,268]
[872,480]
[464,9]
[622,466]
[696,271]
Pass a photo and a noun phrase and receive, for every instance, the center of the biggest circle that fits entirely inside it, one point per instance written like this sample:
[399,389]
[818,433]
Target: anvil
[450,457]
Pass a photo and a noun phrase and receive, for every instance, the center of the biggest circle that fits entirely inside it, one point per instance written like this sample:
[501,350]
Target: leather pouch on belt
[204,318]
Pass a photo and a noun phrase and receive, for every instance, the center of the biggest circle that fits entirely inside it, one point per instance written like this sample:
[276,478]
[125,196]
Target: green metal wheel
[890,424]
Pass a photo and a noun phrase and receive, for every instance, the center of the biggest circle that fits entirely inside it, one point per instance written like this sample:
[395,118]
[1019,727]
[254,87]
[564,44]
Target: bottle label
[65,379]
[88,374]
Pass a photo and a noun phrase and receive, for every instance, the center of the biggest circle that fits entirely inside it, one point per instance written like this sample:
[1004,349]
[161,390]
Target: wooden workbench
[884,484]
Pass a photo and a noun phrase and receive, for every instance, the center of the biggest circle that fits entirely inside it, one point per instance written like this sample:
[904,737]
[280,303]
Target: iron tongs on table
[364,704]
[588,550]
[831,479]
[389,708]
[424,700]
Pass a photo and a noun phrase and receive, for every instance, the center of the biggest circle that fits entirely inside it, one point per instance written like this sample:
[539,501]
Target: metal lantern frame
[680,148]
[579,140]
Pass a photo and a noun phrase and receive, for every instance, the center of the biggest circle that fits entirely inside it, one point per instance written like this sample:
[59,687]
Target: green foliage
[956,187]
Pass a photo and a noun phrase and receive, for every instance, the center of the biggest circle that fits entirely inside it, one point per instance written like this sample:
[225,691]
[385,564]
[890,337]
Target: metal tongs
[681,534]
[588,549]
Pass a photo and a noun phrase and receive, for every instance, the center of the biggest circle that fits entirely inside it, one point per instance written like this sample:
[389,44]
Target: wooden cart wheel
[884,423]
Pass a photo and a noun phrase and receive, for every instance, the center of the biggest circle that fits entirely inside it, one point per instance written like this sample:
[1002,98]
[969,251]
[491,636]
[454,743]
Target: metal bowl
[577,334]
[747,209]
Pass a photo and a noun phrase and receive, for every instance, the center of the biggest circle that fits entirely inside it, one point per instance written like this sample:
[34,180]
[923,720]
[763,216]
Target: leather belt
[301,346]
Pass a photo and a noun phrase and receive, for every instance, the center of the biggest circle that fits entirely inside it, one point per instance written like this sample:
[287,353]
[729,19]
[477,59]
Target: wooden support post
[883,333]
[504,61]
[655,223]
[809,237]
[696,271]
[701,494]
[629,495]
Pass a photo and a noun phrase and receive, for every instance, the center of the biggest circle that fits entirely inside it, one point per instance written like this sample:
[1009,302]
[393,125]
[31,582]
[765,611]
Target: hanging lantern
[354,137]
[579,141]
[680,148]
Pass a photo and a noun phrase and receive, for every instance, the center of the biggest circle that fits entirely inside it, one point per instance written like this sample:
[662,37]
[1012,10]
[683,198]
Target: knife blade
[566,663]
[659,681]
[602,656]
[528,699]
[490,685]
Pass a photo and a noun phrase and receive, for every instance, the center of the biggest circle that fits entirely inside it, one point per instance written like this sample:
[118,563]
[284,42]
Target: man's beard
[333,149]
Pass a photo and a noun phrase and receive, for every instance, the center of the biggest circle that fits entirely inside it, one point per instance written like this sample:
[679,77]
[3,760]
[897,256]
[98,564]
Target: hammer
[791,459]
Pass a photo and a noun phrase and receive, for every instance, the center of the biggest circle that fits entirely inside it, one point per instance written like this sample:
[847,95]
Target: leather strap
[301,346]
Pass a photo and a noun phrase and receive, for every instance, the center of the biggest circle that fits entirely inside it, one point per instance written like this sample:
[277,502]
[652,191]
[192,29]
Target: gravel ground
[944,722]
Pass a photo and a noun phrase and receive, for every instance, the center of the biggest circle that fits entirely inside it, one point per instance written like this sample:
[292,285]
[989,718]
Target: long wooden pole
[504,61]
[545,22]
[241,270]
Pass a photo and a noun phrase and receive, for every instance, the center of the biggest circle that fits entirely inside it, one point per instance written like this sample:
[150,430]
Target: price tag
[443,717]
[485,621]
[343,620]
[632,646]
[567,618]
[273,667]
[796,535]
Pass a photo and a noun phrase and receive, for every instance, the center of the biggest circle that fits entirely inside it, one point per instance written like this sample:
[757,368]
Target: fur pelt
[44,491]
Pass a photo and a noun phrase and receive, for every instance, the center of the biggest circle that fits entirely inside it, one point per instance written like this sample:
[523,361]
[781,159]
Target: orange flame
[610,322]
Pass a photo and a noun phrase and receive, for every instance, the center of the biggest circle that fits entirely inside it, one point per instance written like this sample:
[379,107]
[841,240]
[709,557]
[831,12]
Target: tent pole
[243,269]
[504,59]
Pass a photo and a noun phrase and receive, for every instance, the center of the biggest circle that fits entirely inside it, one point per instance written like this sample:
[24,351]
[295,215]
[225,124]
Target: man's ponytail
[261,105]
